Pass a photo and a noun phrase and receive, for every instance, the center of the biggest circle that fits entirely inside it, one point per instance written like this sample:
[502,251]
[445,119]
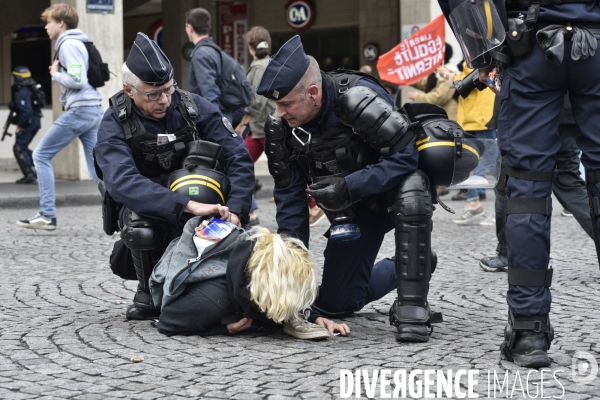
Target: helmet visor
[478,28]
[477,165]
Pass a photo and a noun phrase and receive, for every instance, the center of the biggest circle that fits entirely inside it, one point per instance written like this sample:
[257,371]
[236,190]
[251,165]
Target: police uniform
[134,170]
[27,117]
[375,170]
[533,86]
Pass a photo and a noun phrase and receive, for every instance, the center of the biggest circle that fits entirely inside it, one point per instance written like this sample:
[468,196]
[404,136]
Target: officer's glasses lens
[153,96]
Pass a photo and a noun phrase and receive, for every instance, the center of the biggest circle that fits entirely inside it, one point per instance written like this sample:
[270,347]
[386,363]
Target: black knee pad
[142,234]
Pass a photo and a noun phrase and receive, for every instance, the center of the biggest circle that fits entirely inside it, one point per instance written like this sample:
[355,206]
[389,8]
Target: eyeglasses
[155,95]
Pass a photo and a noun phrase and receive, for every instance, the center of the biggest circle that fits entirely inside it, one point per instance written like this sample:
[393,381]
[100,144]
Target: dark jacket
[376,178]
[206,307]
[25,106]
[205,72]
[152,200]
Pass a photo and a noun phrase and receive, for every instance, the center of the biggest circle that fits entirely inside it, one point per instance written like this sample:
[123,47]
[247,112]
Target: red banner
[233,27]
[416,57]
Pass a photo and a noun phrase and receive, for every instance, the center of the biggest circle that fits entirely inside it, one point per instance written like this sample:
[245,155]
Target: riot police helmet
[20,76]
[200,185]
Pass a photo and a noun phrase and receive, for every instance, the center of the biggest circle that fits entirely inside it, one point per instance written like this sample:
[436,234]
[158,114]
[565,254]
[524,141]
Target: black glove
[331,194]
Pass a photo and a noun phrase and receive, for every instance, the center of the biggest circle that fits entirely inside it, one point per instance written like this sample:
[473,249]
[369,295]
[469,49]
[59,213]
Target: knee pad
[413,198]
[142,234]
[529,205]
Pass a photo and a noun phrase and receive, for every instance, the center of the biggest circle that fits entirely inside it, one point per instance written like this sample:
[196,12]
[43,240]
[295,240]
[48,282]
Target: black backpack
[38,96]
[236,91]
[98,71]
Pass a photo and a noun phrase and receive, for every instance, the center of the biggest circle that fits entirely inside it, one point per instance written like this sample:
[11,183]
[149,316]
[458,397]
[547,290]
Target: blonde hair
[282,275]
[61,12]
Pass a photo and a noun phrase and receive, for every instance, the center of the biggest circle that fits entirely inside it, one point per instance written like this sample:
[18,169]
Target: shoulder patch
[228,126]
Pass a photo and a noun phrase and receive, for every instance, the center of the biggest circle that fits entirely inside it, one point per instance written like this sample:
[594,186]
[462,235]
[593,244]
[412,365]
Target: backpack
[98,71]
[38,96]
[236,91]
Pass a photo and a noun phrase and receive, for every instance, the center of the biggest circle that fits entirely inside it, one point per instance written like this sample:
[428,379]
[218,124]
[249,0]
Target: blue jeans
[80,122]
[473,194]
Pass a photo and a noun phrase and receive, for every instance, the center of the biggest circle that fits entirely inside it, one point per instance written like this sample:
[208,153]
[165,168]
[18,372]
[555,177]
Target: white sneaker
[469,216]
[489,221]
[302,329]
[38,222]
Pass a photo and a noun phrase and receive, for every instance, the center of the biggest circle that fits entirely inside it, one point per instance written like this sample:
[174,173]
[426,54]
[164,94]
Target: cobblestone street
[63,332]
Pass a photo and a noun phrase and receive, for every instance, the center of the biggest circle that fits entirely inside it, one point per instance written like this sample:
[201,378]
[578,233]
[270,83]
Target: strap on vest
[529,175]
[525,277]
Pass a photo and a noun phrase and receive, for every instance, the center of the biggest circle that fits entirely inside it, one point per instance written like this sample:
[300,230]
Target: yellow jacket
[477,110]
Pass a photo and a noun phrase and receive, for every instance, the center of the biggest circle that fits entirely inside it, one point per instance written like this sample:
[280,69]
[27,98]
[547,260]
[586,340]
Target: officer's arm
[23,102]
[292,208]
[72,58]
[239,167]
[125,183]
[205,71]
[390,168]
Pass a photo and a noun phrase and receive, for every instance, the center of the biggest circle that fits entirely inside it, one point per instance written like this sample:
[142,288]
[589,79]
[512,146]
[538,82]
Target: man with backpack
[81,102]
[25,114]
[213,74]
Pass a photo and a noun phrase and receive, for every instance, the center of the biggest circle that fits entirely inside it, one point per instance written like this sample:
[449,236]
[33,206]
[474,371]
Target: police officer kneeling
[136,164]
[339,133]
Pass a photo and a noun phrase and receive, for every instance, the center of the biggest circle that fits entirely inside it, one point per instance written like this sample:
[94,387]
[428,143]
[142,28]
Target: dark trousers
[24,138]
[531,102]
[351,278]
[568,187]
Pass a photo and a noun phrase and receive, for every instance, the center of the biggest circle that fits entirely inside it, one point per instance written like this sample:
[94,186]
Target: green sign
[187,49]
[194,190]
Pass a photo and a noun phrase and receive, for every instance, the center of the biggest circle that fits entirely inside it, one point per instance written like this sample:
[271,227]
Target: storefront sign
[233,27]
[370,52]
[156,33]
[100,6]
[300,15]
[416,57]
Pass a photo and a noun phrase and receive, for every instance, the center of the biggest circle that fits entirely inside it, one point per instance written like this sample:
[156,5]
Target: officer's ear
[128,90]
[313,91]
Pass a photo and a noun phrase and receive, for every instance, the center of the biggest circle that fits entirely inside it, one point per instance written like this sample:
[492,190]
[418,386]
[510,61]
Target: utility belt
[522,30]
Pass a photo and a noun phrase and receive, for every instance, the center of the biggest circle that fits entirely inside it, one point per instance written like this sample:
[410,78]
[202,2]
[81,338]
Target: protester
[80,101]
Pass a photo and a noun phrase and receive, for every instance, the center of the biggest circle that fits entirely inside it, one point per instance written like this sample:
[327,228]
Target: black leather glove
[331,194]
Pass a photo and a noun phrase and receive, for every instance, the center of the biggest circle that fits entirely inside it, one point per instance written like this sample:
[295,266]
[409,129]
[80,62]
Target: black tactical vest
[337,151]
[151,159]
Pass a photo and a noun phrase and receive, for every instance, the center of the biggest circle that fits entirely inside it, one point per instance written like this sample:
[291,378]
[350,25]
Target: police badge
[229,127]
[165,160]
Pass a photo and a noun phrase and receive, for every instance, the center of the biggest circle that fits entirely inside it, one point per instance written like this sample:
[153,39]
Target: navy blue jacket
[205,72]
[292,210]
[152,200]
[24,104]
[572,12]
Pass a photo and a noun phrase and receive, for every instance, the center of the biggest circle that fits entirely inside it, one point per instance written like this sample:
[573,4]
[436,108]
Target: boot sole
[411,337]
[537,359]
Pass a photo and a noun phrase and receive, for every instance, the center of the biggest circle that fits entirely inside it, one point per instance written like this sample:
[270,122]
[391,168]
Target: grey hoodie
[72,72]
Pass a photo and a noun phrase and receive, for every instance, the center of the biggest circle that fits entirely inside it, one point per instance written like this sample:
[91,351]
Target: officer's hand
[330,193]
[332,327]
[239,326]
[211,210]
[484,72]
[234,219]
[18,129]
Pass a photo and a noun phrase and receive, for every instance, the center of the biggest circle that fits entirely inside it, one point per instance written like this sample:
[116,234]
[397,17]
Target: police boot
[24,166]
[415,261]
[527,340]
[145,239]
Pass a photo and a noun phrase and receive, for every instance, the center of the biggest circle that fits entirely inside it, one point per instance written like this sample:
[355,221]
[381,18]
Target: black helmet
[201,185]
[20,76]
[447,154]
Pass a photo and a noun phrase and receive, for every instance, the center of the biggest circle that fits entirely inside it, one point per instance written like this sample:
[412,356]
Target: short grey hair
[129,78]
[312,76]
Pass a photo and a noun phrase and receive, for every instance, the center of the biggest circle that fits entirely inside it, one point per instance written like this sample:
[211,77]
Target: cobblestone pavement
[63,332]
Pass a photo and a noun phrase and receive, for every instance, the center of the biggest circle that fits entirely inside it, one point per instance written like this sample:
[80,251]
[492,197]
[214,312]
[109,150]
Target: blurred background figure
[251,127]
[366,69]
[476,116]
[25,114]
